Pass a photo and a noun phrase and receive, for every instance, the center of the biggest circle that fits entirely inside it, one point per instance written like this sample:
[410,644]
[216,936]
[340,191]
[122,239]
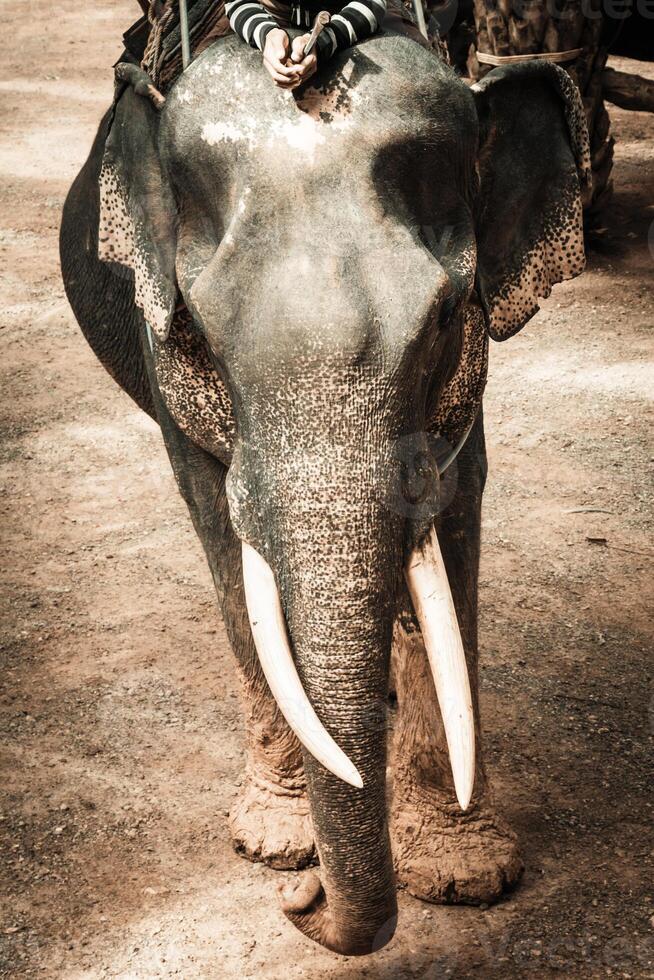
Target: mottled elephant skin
[299,289]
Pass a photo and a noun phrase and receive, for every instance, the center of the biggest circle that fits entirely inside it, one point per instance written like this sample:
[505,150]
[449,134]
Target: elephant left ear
[137,226]
[534,170]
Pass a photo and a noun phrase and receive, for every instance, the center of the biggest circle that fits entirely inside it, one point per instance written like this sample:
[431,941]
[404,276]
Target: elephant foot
[452,858]
[271,823]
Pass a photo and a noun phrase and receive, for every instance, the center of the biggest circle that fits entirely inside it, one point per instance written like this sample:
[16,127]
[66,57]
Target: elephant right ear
[137,226]
[534,169]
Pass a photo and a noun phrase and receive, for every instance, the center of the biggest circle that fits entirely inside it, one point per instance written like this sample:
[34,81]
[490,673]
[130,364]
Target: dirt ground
[120,720]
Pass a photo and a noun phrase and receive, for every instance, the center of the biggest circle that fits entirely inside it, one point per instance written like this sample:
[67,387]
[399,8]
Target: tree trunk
[628,91]
[506,27]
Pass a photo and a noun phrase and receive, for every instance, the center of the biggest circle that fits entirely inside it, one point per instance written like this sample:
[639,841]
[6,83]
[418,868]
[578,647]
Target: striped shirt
[357,20]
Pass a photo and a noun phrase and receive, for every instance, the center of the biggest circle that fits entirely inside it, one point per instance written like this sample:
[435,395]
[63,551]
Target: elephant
[300,289]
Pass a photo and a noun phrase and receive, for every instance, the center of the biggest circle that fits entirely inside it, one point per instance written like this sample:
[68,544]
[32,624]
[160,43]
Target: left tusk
[432,601]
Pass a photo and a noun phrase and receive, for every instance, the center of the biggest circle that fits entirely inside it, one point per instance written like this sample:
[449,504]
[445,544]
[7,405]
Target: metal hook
[186,40]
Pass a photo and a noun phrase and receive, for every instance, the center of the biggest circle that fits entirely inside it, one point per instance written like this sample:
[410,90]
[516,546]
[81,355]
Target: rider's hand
[306,67]
[275,56]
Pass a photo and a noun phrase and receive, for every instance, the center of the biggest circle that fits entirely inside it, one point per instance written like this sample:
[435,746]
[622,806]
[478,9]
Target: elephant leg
[270,819]
[442,854]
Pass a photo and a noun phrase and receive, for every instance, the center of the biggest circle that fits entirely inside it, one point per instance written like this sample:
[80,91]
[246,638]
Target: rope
[164,55]
[558,57]
[152,56]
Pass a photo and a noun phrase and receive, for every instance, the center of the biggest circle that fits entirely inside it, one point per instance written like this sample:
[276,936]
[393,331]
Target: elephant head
[319,276]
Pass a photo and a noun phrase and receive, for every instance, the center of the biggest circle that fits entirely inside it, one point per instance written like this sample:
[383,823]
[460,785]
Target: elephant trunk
[342,646]
[332,572]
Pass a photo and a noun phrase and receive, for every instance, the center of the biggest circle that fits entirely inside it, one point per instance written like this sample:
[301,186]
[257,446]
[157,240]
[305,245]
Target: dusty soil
[122,735]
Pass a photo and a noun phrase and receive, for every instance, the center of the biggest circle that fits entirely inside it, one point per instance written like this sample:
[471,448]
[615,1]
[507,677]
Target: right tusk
[268,627]
[432,600]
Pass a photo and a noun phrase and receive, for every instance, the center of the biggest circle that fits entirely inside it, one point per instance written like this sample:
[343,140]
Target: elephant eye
[448,307]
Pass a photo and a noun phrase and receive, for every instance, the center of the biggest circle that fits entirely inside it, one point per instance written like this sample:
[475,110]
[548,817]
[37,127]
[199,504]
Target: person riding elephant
[300,289]
[265,25]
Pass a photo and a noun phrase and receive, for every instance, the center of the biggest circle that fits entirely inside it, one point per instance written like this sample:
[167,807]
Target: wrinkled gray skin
[326,324]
